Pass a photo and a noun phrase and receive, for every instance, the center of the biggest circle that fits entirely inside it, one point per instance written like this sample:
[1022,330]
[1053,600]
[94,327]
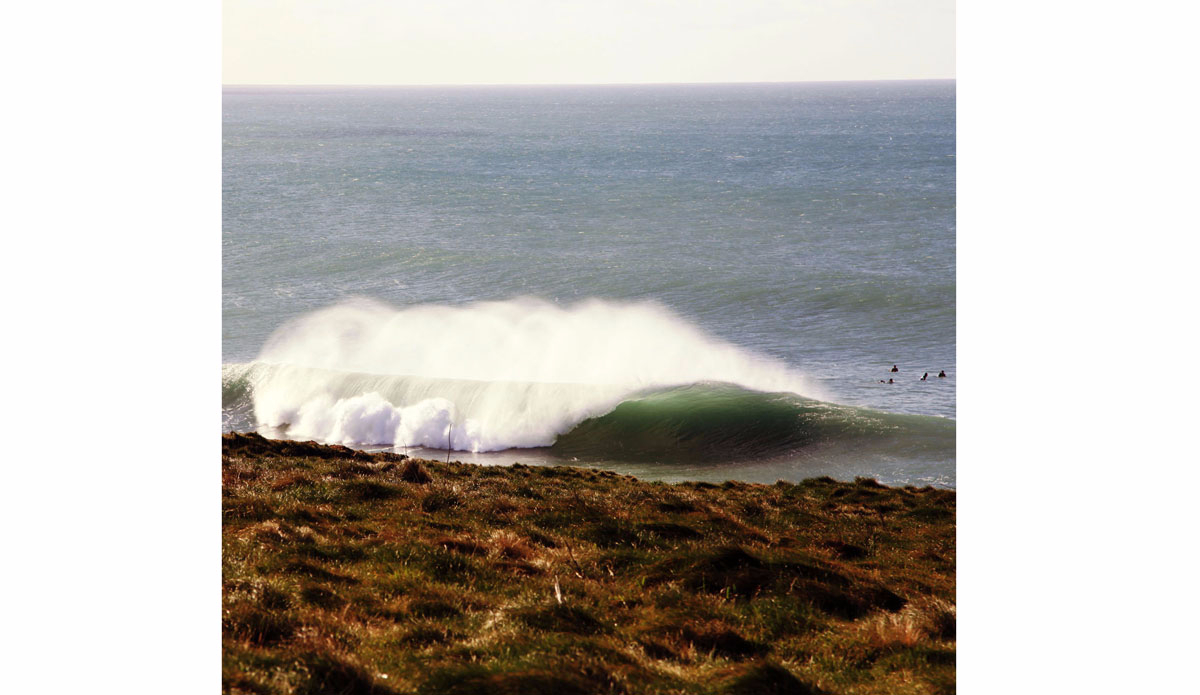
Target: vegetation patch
[672,531]
[369,491]
[560,618]
[321,597]
[845,551]
[479,681]
[260,626]
[434,609]
[414,472]
[460,545]
[768,679]
[714,639]
[356,573]
[328,675]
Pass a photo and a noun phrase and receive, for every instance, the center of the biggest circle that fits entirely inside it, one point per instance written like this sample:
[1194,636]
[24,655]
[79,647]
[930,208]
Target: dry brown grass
[930,619]
[343,573]
[507,544]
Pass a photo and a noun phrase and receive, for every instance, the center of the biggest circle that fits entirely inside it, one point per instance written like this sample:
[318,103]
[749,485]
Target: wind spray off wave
[484,377]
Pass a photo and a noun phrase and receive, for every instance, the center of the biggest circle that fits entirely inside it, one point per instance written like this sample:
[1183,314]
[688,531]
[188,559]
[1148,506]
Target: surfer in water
[942,374]
[925,377]
[895,368]
[891,381]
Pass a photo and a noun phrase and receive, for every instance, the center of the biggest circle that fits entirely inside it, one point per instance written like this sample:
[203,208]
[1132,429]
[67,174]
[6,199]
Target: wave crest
[484,377]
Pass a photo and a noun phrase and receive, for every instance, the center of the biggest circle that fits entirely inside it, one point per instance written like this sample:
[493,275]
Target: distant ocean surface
[700,282]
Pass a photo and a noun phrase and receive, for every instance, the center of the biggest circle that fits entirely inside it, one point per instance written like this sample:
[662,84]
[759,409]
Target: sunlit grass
[353,573]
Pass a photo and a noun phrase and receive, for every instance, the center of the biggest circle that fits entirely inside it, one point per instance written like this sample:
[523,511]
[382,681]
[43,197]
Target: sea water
[674,281]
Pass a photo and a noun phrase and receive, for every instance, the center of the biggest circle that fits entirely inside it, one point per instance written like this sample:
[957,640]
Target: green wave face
[721,422]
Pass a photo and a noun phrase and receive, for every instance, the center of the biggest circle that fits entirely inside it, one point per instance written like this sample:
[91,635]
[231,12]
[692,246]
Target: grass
[356,573]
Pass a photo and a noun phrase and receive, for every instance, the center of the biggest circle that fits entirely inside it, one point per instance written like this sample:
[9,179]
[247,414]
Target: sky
[402,42]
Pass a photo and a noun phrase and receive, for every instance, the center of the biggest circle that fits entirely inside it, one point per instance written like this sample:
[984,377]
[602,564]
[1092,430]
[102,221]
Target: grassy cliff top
[348,572]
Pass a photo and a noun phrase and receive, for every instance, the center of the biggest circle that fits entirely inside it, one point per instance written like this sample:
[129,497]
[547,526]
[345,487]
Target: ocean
[678,282]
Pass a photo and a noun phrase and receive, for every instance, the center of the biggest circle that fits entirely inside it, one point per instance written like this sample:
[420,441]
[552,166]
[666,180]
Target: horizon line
[574,84]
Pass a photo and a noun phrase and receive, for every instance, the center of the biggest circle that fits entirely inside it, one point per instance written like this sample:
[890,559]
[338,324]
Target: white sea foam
[485,376]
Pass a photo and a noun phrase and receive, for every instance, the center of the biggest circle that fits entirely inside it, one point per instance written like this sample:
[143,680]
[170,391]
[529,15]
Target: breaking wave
[595,380]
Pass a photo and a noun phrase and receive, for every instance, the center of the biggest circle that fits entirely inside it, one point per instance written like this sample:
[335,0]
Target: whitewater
[482,377]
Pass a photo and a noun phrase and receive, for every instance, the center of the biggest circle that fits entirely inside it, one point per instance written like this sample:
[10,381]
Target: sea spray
[524,340]
[488,376]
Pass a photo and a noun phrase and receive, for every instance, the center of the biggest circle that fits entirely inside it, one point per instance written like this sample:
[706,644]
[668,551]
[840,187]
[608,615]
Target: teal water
[808,227]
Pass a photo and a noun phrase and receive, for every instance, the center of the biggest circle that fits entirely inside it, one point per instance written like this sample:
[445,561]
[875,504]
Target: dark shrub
[330,676]
[414,472]
[561,618]
[768,679]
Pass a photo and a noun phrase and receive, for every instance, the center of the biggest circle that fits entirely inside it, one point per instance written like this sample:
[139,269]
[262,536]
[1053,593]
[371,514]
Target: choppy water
[675,281]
